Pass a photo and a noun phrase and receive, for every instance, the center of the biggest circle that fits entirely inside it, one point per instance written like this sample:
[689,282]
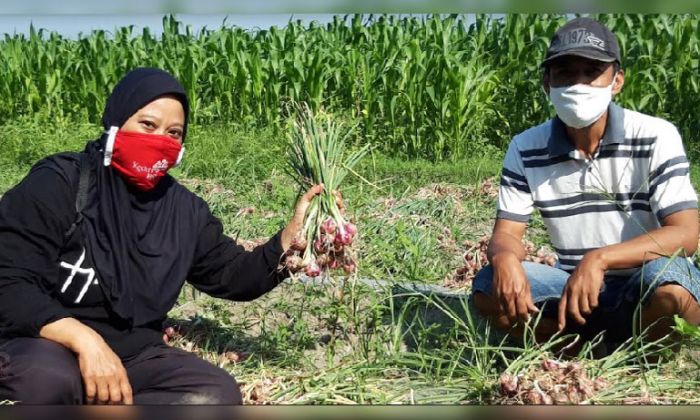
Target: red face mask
[141,159]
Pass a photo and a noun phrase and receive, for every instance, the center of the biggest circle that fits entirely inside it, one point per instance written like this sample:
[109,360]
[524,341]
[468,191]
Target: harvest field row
[343,342]
[433,87]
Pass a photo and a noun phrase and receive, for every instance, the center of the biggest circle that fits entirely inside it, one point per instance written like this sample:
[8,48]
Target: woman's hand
[297,222]
[104,378]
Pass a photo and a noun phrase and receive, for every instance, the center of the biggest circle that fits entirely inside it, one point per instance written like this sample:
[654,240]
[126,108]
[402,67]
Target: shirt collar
[559,143]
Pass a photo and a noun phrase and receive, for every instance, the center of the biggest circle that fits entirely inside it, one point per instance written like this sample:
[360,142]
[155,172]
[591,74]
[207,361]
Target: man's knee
[672,299]
[41,372]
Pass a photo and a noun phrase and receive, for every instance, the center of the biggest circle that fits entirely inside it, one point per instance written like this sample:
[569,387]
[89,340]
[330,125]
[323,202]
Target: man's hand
[511,289]
[580,295]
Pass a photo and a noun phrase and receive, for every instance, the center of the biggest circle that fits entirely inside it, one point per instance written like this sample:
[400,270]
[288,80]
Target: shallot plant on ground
[319,154]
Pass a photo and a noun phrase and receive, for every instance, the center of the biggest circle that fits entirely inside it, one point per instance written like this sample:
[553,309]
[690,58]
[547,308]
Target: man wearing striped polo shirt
[613,189]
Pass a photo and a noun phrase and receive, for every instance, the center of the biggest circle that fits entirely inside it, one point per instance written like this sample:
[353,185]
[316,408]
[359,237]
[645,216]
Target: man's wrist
[599,258]
[504,258]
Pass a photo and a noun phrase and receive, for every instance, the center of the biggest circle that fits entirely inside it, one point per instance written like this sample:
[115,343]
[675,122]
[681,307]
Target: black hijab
[140,243]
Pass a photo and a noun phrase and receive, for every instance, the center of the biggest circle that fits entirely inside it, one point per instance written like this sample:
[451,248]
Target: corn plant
[433,87]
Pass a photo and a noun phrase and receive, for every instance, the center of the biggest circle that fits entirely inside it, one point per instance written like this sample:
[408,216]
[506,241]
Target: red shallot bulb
[328,226]
[351,229]
[312,270]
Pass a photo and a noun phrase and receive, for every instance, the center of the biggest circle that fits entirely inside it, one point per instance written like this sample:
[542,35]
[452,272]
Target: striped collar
[559,143]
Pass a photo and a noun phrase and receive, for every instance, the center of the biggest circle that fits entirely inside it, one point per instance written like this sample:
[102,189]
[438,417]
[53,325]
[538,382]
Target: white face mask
[581,105]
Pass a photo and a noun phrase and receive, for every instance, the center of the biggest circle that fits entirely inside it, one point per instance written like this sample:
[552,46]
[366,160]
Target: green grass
[342,342]
[234,169]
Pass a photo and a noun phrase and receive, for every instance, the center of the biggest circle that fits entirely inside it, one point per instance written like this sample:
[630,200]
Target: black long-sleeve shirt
[39,284]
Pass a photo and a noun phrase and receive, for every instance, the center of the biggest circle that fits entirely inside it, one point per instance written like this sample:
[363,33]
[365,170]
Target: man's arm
[674,203]
[511,289]
[678,233]
[506,241]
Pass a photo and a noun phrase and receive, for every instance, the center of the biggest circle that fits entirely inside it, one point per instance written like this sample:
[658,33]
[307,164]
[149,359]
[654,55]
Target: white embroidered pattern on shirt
[78,269]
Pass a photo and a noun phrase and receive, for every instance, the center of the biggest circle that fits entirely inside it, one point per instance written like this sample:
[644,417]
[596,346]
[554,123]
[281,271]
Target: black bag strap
[81,197]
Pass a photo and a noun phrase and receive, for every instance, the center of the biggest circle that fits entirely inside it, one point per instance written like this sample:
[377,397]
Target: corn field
[433,87]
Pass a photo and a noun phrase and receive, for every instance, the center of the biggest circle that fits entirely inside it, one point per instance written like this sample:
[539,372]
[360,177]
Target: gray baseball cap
[584,37]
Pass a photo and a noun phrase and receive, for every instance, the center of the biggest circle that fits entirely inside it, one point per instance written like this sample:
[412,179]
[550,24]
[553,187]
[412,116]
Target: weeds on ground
[343,342]
[351,344]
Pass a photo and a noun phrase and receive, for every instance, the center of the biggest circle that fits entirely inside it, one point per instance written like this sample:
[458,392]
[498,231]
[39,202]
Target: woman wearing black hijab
[94,249]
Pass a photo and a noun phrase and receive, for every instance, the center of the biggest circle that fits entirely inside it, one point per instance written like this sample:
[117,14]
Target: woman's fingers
[297,221]
[125,388]
[305,201]
[311,193]
[104,378]
[339,200]
[127,394]
[90,391]
[103,395]
[115,391]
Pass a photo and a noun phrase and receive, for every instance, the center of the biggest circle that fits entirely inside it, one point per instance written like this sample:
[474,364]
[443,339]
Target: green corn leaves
[432,87]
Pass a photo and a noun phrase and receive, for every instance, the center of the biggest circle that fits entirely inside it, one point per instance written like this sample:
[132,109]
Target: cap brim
[593,55]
